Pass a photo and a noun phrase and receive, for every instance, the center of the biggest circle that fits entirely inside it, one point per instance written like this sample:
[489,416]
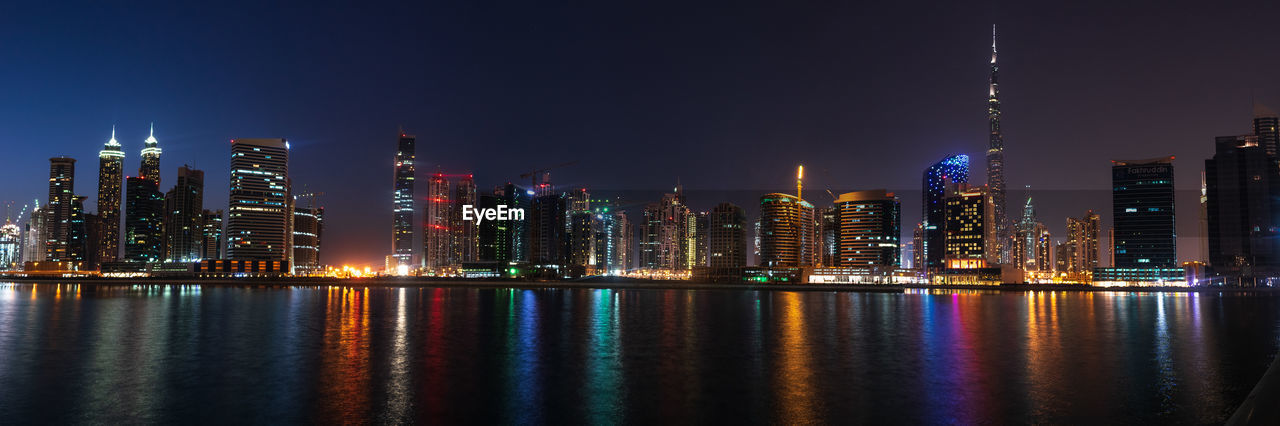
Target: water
[190,354]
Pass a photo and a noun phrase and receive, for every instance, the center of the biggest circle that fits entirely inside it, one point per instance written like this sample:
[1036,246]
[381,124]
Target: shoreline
[602,283]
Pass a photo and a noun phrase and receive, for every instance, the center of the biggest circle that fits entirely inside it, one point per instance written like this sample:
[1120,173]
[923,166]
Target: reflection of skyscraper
[258,218]
[954,169]
[110,183]
[62,174]
[435,232]
[184,204]
[403,202]
[868,231]
[150,168]
[143,211]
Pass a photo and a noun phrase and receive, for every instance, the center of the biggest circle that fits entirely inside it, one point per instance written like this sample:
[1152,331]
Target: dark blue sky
[722,96]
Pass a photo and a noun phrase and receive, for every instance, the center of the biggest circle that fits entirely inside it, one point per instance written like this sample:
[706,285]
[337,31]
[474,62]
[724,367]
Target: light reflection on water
[158,353]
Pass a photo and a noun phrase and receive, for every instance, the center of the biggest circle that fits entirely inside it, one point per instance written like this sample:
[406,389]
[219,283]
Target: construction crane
[312,196]
[538,178]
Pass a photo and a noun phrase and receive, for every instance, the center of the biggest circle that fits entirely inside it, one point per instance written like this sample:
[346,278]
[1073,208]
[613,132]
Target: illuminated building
[110,185]
[503,240]
[10,245]
[258,217]
[463,232]
[62,173]
[995,164]
[144,208]
[1242,185]
[33,235]
[1144,237]
[79,228]
[1142,204]
[1082,245]
[183,205]
[701,224]
[868,229]
[150,167]
[435,229]
[308,228]
[787,237]
[726,237]
[211,241]
[827,230]
[968,217]
[917,248]
[403,203]
[667,234]
[613,240]
[954,169]
[581,255]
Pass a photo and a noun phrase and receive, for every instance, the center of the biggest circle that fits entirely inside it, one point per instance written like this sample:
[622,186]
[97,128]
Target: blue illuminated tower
[953,169]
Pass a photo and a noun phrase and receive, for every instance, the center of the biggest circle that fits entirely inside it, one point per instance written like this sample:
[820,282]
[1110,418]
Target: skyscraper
[1242,185]
[463,232]
[726,236]
[613,241]
[995,159]
[258,218]
[953,169]
[308,227]
[667,239]
[787,237]
[144,207]
[403,203]
[1142,205]
[150,167]
[110,183]
[10,245]
[78,228]
[1028,234]
[548,230]
[62,174]
[868,229]
[969,214]
[1082,245]
[211,242]
[33,235]
[183,205]
[435,231]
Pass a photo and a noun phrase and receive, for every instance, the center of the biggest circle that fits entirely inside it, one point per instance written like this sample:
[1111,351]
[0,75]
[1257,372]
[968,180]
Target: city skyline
[1041,118]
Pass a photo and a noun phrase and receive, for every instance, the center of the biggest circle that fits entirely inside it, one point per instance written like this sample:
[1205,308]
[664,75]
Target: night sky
[721,96]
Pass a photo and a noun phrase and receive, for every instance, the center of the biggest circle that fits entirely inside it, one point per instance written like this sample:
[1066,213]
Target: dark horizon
[640,96]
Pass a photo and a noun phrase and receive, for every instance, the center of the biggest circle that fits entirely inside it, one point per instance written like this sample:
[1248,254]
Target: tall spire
[995,159]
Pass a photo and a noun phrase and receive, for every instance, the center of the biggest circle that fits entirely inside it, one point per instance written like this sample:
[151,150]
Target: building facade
[787,231]
[1142,202]
[969,215]
[308,227]
[1242,184]
[183,224]
[950,170]
[258,217]
[867,229]
[436,252]
[144,209]
[402,224]
[110,185]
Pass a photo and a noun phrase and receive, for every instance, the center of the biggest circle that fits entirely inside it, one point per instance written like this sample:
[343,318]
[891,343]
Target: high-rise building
[1242,184]
[613,240]
[969,214]
[995,162]
[581,242]
[1266,127]
[787,237]
[258,217]
[78,228]
[1028,234]
[110,185]
[308,227]
[403,202]
[183,205]
[33,235]
[668,237]
[548,232]
[1082,245]
[727,236]
[868,225]
[1142,201]
[951,170]
[702,225]
[828,236]
[150,167]
[10,245]
[436,253]
[144,207]
[62,174]
[464,232]
[211,241]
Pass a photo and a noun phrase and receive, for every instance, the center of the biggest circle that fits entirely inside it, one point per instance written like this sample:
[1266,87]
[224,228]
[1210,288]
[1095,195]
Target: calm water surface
[184,354]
